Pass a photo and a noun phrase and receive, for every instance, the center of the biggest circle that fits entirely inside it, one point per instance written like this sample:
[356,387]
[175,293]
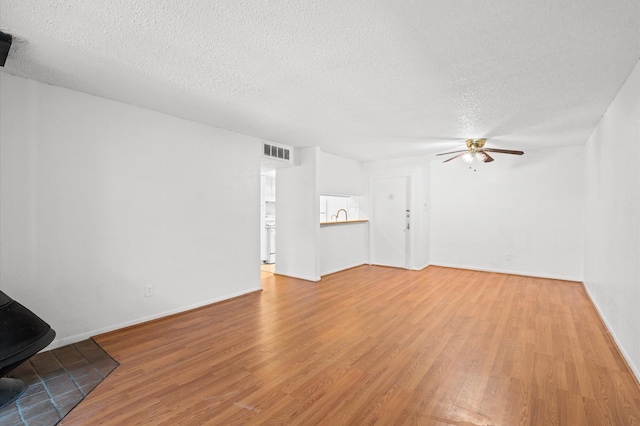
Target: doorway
[390,227]
[268,221]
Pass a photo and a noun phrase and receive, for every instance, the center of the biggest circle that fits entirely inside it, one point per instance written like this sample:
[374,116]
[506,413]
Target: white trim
[511,272]
[300,277]
[344,268]
[57,343]
[420,268]
[618,343]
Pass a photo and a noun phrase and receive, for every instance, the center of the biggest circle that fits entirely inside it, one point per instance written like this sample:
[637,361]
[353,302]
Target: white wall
[100,198]
[530,207]
[612,230]
[338,175]
[341,246]
[298,219]
[417,169]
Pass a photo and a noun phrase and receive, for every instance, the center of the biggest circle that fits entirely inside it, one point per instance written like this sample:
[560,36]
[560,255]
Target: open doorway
[267,221]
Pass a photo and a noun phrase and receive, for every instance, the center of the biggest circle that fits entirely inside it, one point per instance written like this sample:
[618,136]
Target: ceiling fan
[476,151]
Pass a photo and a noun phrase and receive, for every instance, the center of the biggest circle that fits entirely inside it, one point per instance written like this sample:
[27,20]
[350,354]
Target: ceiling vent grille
[276,152]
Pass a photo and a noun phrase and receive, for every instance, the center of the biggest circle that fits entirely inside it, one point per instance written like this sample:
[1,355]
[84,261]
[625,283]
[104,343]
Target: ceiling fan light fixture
[481,156]
[468,157]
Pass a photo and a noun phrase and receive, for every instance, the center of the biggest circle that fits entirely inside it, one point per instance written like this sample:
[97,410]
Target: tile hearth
[58,380]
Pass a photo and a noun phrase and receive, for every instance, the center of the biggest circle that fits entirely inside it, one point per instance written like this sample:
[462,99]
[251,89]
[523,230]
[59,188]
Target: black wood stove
[22,334]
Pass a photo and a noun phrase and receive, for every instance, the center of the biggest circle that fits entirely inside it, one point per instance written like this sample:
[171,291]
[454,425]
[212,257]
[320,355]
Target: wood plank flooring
[373,345]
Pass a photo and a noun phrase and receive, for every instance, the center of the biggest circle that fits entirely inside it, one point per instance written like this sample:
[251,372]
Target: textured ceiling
[360,78]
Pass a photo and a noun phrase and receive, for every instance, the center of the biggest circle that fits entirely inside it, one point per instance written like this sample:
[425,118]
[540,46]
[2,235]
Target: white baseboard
[57,343]
[344,268]
[510,272]
[300,277]
[420,268]
[624,354]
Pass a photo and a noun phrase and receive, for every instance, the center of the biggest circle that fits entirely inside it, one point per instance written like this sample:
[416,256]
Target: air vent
[276,152]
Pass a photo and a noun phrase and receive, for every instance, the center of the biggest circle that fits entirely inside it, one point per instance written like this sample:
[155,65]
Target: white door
[391,219]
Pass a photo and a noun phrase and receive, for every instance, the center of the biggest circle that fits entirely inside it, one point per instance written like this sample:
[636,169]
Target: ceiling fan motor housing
[475,144]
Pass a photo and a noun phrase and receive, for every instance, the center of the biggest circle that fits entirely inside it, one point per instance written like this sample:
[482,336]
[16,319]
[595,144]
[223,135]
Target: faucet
[337,215]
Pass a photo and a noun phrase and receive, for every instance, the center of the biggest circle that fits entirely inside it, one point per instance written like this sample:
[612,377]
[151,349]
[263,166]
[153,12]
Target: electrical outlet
[148,290]
[508,256]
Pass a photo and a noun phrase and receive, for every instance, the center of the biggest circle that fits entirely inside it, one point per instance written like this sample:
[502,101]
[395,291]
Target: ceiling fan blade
[488,158]
[504,151]
[453,152]
[455,156]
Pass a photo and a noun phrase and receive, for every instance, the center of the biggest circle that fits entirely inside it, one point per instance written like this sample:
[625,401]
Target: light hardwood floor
[373,345]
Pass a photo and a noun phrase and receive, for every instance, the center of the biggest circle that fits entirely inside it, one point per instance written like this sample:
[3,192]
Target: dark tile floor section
[58,380]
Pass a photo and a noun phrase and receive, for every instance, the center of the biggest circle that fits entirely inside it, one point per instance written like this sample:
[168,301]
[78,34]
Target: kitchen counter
[344,222]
